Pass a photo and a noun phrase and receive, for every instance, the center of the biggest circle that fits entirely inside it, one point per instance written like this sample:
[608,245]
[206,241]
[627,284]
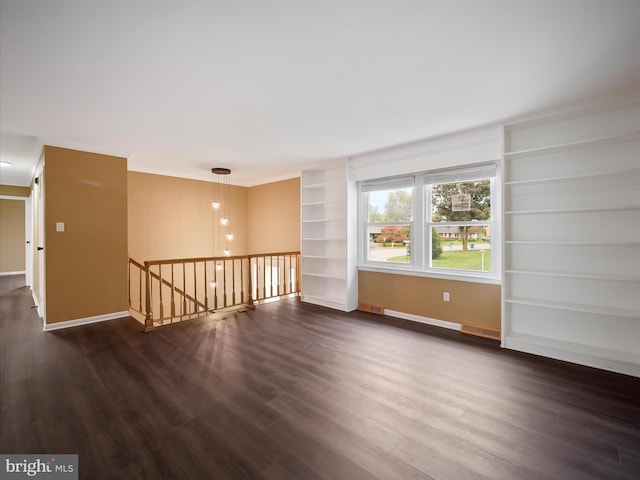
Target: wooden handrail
[276,275]
[211,259]
[278,254]
[139,265]
[192,260]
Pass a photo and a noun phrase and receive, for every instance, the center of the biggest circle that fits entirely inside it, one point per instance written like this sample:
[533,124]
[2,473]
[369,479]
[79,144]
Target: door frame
[28,222]
[39,255]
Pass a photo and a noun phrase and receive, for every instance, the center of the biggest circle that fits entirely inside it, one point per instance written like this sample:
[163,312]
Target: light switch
[60,227]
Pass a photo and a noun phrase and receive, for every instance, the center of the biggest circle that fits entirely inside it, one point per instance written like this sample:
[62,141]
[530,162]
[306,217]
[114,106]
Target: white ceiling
[267,87]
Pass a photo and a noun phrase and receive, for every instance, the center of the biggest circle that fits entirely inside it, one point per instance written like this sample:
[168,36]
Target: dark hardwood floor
[293,391]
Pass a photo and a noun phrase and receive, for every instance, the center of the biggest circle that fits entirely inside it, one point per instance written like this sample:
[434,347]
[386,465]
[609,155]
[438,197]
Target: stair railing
[168,291]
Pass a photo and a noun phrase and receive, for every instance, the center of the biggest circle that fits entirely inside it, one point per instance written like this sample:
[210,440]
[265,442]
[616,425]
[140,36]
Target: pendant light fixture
[222,205]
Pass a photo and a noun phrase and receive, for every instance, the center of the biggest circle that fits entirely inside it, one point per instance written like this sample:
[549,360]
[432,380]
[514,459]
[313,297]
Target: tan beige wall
[13,191]
[86,265]
[12,235]
[171,217]
[274,217]
[472,303]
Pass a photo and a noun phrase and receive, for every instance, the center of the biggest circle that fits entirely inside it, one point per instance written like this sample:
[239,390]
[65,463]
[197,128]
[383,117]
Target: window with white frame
[389,219]
[441,222]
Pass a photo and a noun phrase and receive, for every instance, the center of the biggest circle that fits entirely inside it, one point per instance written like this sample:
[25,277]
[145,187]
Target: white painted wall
[463,148]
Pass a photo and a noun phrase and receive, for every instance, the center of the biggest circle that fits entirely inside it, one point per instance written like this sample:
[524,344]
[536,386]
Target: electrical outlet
[445,296]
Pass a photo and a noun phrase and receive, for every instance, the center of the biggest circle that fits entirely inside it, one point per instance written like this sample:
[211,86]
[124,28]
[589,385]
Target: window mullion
[426,202]
[417,225]
[363,206]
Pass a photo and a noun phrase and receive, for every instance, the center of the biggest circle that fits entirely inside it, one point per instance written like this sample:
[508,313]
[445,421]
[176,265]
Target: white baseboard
[603,359]
[420,319]
[598,358]
[85,321]
[3,274]
[35,302]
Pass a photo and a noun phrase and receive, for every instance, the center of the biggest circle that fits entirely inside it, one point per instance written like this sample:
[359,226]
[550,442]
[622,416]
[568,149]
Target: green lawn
[469,260]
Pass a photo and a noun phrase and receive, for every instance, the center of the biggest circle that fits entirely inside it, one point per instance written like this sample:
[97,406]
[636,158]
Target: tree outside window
[389,224]
[479,208]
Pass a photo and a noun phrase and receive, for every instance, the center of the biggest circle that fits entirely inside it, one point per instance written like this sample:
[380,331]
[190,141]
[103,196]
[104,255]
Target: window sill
[408,270]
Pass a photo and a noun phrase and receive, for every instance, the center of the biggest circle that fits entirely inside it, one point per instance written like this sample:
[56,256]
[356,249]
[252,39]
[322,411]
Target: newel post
[148,320]
[250,304]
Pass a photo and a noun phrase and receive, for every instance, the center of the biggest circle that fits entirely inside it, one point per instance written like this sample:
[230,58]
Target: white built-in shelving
[573,178]
[581,144]
[571,225]
[328,240]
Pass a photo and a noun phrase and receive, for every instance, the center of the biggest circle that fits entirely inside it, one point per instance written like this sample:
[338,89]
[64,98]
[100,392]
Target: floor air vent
[481,331]
[368,307]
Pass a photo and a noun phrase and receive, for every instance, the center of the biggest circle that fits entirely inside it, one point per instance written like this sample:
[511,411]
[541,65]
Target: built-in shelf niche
[328,236]
[572,238]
